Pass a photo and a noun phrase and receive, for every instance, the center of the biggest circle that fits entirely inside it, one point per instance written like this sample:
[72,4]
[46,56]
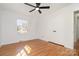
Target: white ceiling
[22,8]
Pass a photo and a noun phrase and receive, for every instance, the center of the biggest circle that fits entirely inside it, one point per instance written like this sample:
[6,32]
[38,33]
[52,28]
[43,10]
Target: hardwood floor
[77,46]
[35,48]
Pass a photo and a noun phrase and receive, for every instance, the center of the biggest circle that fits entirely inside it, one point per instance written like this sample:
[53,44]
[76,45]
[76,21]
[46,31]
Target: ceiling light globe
[37,8]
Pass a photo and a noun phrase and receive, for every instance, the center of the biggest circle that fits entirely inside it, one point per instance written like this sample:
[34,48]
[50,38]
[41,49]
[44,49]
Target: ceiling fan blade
[31,10]
[29,4]
[37,4]
[44,7]
[39,11]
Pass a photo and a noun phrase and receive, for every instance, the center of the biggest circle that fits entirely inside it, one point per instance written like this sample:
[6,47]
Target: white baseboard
[11,42]
[6,43]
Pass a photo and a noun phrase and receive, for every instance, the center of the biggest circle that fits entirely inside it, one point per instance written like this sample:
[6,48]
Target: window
[22,26]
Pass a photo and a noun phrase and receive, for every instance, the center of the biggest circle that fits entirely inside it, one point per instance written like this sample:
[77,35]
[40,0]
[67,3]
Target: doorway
[76,31]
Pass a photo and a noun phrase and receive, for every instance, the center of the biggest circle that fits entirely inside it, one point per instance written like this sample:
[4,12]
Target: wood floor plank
[35,47]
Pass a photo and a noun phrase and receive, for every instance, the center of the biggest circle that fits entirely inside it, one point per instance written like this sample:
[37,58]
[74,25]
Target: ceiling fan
[37,7]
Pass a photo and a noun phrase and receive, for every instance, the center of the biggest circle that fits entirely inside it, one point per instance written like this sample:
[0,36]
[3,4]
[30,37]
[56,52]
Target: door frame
[75,27]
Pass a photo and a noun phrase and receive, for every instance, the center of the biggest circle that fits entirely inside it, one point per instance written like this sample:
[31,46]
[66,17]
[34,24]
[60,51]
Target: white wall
[8,27]
[62,21]
[40,26]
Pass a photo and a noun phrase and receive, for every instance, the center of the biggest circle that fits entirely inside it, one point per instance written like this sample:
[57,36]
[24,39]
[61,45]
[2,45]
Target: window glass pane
[22,26]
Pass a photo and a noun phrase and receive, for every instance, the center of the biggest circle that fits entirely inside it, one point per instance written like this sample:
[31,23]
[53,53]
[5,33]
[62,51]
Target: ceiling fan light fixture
[37,9]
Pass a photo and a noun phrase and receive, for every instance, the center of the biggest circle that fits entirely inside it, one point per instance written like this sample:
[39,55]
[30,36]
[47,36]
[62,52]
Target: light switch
[54,30]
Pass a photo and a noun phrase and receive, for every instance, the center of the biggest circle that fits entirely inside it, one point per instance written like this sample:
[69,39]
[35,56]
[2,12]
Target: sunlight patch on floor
[22,53]
[26,50]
